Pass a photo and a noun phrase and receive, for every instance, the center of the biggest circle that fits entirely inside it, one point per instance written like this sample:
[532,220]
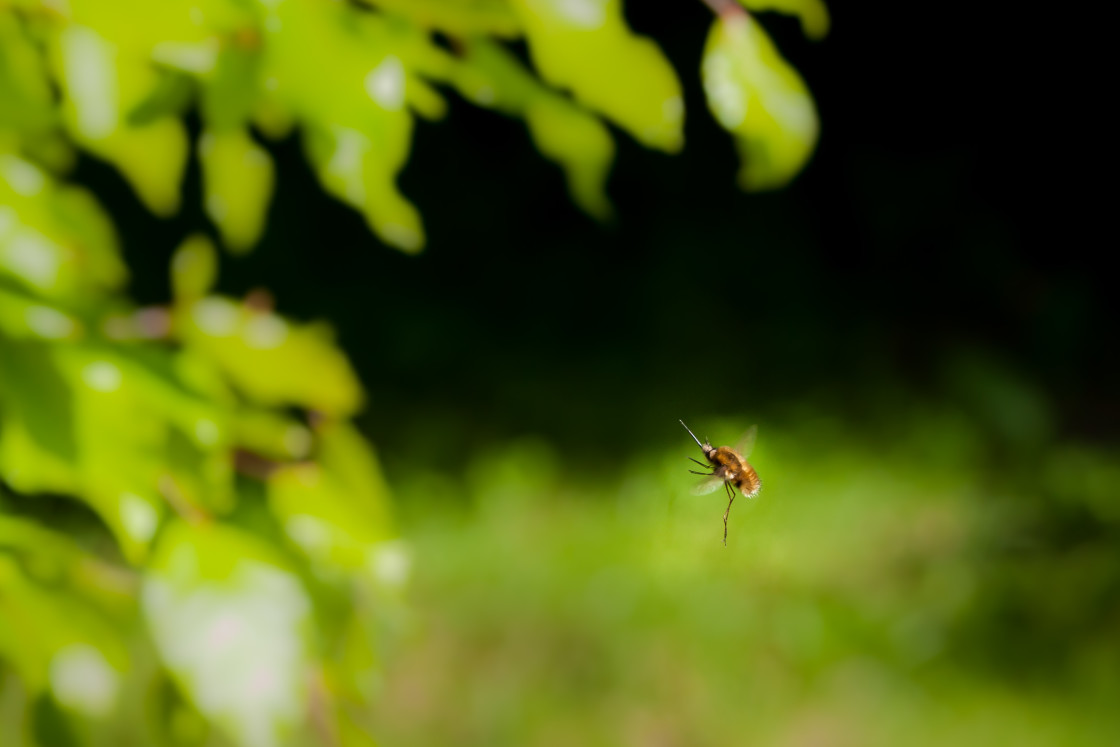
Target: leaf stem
[726,8]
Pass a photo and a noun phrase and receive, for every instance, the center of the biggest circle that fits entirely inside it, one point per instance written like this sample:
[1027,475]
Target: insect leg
[702,464]
[731,499]
[706,474]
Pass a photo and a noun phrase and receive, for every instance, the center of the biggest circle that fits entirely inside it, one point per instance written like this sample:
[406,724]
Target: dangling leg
[731,499]
[702,464]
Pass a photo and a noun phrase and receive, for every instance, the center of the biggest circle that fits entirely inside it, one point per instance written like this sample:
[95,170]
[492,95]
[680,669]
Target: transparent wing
[708,485]
[746,443]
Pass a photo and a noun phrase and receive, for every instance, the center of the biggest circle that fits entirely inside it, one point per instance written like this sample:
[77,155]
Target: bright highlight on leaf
[233,624]
[760,99]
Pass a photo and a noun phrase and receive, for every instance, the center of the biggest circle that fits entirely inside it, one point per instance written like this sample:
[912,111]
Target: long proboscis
[694,438]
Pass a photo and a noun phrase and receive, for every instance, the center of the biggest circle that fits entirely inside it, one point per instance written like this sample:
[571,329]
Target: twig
[725,8]
[187,509]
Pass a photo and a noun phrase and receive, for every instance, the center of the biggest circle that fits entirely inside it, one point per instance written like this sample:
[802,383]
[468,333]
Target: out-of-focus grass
[872,594]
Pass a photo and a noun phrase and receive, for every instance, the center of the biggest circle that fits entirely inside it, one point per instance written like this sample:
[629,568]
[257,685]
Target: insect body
[729,468]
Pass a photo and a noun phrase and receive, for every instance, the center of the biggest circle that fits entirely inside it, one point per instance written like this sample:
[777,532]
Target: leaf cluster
[229,564]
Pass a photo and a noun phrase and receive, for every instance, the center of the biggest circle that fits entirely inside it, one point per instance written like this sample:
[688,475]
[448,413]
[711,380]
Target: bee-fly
[730,469]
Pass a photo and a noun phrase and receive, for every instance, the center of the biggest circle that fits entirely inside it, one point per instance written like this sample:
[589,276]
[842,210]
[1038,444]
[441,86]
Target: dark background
[937,221]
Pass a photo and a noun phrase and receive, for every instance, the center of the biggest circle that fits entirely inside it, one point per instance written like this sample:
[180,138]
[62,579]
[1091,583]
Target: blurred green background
[919,332]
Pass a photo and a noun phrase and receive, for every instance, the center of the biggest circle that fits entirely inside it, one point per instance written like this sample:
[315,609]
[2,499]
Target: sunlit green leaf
[587,47]
[171,96]
[24,88]
[100,88]
[233,625]
[24,318]
[237,176]
[54,239]
[194,268]
[119,444]
[230,90]
[813,14]
[38,451]
[358,128]
[56,558]
[270,359]
[760,99]
[562,131]
[457,17]
[59,644]
[336,508]
[271,435]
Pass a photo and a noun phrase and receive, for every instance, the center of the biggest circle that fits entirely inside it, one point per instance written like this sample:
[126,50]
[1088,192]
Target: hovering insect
[730,469]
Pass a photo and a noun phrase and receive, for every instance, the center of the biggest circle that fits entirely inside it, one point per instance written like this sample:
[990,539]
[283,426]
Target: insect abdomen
[749,483]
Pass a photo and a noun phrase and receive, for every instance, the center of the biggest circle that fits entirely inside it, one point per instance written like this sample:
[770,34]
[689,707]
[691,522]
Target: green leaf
[237,178]
[120,443]
[813,14]
[271,360]
[25,318]
[229,92]
[55,240]
[457,17]
[358,129]
[271,435]
[56,558]
[759,98]
[194,269]
[336,510]
[38,450]
[102,82]
[24,86]
[562,131]
[586,47]
[233,625]
[171,96]
[59,644]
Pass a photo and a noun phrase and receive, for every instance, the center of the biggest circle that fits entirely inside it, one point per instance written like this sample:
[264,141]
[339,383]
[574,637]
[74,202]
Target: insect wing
[746,443]
[708,485]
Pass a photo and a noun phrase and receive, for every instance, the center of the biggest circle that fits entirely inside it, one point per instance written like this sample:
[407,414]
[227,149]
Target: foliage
[351,78]
[186,511]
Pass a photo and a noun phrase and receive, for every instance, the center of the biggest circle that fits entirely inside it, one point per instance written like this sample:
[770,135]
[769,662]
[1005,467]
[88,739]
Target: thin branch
[187,509]
[725,8]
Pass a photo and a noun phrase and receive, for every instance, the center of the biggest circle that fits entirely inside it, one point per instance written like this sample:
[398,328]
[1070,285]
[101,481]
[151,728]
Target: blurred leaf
[38,450]
[171,96]
[194,268]
[336,509]
[270,359]
[272,435]
[23,318]
[119,444]
[813,14]
[587,47]
[60,645]
[54,239]
[357,148]
[759,98]
[237,177]
[457,17]
[100,87]
[562,131]
[56,558]
[231,89]
[233,625]
[50,726]
[24,87]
